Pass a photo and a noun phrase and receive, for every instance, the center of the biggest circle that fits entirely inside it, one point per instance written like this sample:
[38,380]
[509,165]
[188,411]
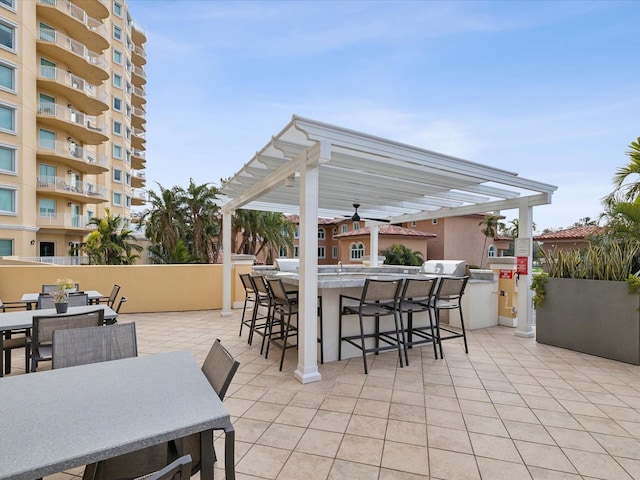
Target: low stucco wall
[148,288]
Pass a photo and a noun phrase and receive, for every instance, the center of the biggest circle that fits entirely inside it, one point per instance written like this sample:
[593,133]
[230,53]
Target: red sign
[522,265]
[508,274]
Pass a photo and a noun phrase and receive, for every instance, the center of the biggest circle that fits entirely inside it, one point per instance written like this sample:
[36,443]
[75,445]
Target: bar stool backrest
[380,291]
[247,284]
[278,291]
[451,289]
[418,289]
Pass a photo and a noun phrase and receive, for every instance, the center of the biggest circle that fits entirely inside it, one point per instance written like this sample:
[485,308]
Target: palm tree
[110,243]
[626,192]
[489,225]
[164,222]
[401,255]
[261,230]
[202,217]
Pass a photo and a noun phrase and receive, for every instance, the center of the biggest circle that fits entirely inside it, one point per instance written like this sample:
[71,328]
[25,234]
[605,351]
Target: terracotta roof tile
[570,233]
[388,230]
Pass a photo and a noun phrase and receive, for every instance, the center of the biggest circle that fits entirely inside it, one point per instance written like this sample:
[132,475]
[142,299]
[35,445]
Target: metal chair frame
[417,296]
[449,297]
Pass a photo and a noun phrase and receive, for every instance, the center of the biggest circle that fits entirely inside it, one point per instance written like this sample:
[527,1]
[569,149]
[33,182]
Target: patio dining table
[31,299]
[92,412]
[23,319]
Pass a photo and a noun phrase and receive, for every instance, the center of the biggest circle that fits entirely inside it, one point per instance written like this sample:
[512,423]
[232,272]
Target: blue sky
[545,89]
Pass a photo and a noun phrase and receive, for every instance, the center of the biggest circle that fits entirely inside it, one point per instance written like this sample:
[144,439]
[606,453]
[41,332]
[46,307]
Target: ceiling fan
[356,218]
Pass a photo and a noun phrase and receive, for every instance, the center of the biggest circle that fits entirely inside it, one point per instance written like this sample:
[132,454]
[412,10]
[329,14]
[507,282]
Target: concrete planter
[591,316]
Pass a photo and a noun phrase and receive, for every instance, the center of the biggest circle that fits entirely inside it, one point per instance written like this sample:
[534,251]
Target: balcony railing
[139,92]
[61,184]
[139,194]
[71,150]
[139,112]
[75,82]
[79,14]
[139,154]
[58,260]
[139,174]
[139,133]
[139,71]
[70,115]
[73,46]
[64,220]
[140,51]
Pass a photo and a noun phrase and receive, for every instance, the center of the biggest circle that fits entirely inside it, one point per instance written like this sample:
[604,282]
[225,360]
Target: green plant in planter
[537,285]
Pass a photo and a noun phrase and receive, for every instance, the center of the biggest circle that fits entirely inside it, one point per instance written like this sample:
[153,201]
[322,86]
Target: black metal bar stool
[418,296]
[449,297]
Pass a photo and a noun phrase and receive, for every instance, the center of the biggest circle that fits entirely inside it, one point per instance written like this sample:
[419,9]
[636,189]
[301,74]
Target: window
[434,221]
[128,201]
[7,118]
[117,56]
[334,252]
[6,247]
[344,229]
[7,159]
[117,9]
[47,208]
[335,231]
[321,234]
[117,32]
[356,251]
[7,200]
[492,251]
[9,3]
[46,174]
[117,128]
[414,223]
[128,157]
[90,215]
[128,178]
[7,76]
[7,35]
[322,252]
[296,232]
[117,80]
[296,252]
[282,251]
[117,175]
[117,151]
[46,139]
[356,225]
[117,104]
[117,198]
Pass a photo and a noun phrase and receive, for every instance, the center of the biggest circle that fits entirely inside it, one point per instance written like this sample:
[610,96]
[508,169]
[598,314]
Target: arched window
[356,251]
[492,251]
[335,231]
[321,234]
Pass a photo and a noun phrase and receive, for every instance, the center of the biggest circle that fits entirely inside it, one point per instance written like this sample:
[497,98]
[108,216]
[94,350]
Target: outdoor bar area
[315,170]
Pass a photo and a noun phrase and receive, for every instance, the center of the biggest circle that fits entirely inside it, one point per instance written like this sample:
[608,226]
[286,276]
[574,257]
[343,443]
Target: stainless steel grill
[456,268]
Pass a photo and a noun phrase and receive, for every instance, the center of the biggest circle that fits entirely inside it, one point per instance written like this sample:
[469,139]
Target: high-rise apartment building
[72,121]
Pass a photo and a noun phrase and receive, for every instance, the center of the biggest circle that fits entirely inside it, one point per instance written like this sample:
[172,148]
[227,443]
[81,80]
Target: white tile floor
[510,409]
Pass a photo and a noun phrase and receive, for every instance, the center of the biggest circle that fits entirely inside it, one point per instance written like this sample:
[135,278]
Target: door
[76,219]
[47,140]
[47,69]
[47,249]
[47,105]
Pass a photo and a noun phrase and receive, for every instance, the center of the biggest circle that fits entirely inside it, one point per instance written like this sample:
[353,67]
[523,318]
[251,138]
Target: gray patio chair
[76,299]
[79,346]
[219,367]
[47,288]
[449,297]
[179,469]
[22,340]
[417,296]
[111,299]
[44,326]
[379,299]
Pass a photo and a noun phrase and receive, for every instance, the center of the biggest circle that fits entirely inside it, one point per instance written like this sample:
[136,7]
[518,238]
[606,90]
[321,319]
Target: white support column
[524,245]
[226,264]
[307,370]
[373,236]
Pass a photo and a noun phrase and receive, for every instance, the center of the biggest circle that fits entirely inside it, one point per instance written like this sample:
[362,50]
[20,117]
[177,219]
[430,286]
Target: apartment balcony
[85,128]
[138,76]
[138,35]
[81,159]
[138,138]
[138,197]
[69,17]
[77,191]
[95,8]
[138,179]
[138,161]
[138,55]
[85,96]
[63,221]
[84,62]
[138,118]
[138,96]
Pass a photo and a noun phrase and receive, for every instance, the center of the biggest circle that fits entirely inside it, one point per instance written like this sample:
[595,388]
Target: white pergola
[314,169]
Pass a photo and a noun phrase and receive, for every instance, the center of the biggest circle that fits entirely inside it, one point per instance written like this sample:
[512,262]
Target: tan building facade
[72,121]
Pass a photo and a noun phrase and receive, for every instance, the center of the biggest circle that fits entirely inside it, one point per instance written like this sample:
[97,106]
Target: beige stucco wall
[148,288]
